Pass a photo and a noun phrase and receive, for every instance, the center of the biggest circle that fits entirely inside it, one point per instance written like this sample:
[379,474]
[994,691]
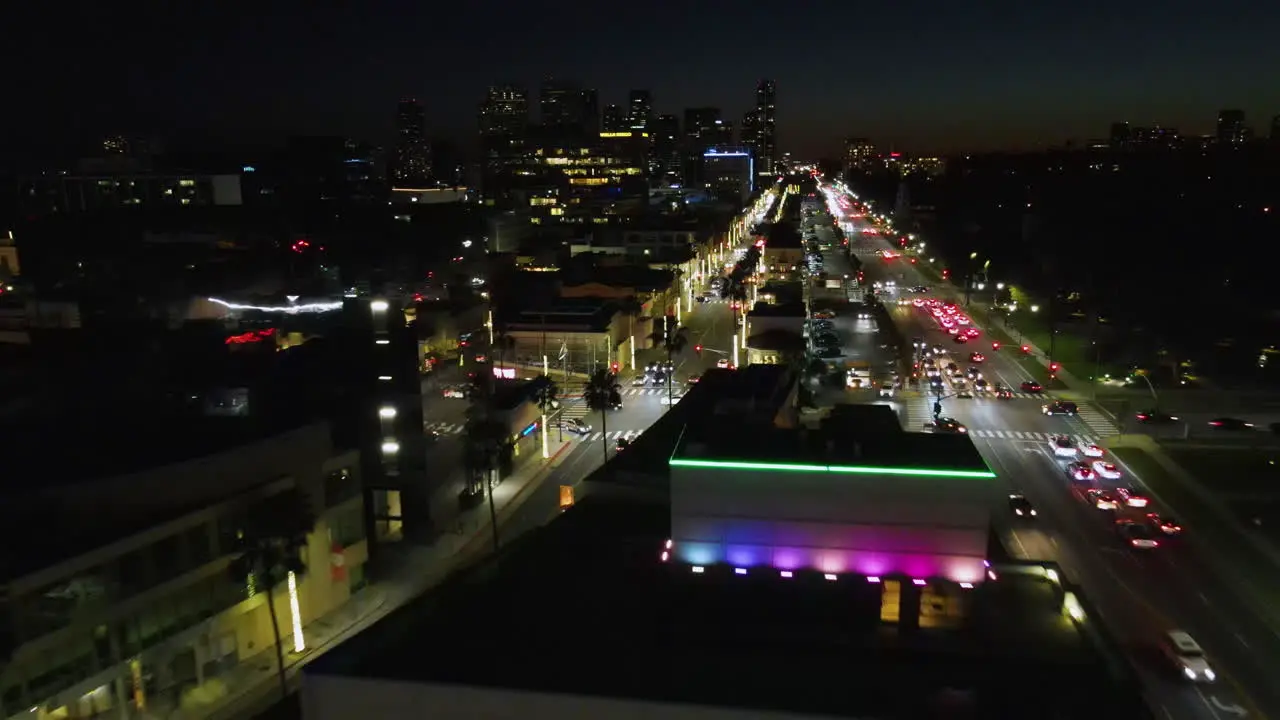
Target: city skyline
[1051,75]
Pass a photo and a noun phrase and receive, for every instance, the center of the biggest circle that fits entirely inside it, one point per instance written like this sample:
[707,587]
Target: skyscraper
[1231,128]
[751,133]
[664,157]
[589,102]
[413,153]
[767,137]
[560,104]
[639,110]
[614,121]
[504,121]
[700,128]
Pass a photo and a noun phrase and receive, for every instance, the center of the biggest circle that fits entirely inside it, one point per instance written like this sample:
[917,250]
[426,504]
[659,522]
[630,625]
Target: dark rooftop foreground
[850,439]
[585,607]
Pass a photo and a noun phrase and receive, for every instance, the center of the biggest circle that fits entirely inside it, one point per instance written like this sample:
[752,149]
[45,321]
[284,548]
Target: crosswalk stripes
[916,412]
[1096,420]
[989,396]
[1027,435]
[651,391]
[572,410]
[613,435]
[444,428]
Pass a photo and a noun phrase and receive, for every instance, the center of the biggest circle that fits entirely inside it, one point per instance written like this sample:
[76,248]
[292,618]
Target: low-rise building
[128,604]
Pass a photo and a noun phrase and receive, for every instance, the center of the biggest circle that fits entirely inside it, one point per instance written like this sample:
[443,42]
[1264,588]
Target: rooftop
[847,445]
[585,607]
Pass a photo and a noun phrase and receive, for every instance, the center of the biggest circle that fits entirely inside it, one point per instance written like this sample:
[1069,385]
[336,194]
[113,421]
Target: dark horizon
[919,78]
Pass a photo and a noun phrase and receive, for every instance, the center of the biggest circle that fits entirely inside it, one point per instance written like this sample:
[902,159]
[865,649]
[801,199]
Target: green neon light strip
[846,469]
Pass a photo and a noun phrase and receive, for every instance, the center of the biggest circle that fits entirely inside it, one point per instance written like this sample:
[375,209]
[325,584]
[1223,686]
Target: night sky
[923,76]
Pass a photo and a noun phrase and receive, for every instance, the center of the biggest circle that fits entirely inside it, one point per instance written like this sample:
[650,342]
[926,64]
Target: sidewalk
[253,684]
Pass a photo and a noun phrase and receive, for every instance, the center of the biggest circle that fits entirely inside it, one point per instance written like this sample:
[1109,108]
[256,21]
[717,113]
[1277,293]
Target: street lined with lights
[1142,587]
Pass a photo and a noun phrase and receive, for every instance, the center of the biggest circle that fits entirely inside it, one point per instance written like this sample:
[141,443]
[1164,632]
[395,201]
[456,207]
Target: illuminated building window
[187,183]
[557,211]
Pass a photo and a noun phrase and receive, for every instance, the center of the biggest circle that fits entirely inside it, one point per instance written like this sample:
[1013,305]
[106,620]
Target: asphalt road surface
[1139,594]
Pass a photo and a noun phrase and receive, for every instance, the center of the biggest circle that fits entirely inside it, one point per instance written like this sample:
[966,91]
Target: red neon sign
[250,337]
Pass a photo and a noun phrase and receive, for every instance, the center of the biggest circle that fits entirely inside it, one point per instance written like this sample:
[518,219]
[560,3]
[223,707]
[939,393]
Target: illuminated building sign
[251,337]
[504,373]
[533,427]
[845,469]
[624,135]
[290,309]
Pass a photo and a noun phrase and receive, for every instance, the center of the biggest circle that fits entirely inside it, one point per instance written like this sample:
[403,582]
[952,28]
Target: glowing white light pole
[489,324]
[632,345]
[546,373]
[299,642]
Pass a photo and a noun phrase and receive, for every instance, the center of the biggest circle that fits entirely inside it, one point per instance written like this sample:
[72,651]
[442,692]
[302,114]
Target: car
[1155,417]
[973,373]
[1092,450]
[885,390]
[1004,393]
[951,368]
[1230,423]
[1131,497]
[1062,446]
[1102,499]
[693,379]
[639,381]
[621,445]
[722,363]
[964,394]
[576,426]
[981,385]
[1080,471]
[1164,524]
[1032,386]
[977,357]
[1137,534]
[455,392]
[948,425]
[1187,657]
[1060,407]
[1106,470]
[960,339]
[1021,506]
[670,399]
[825,314]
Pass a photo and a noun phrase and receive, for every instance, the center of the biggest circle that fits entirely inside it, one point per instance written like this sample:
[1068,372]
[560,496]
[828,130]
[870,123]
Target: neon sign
[254,336]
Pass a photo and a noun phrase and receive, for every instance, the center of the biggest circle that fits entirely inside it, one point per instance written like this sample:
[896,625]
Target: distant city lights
[290,309]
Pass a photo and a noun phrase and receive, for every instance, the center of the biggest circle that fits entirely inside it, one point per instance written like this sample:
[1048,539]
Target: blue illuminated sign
[713,153]
[529,430]
[248,168]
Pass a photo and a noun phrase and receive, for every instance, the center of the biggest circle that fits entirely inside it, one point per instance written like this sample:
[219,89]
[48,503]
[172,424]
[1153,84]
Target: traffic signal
[995,346]
[946,274]
[1026,349]
[614,368]
[1054,367]
[697,349]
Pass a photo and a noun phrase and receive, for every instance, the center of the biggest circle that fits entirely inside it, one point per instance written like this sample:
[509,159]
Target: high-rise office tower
[413,153]
[700,128]
[751,134]
[858,154]
[767,136]
[589,102]
[722,135]
[1231,128]
[639,110]
[560,104]
[664,158]
[504,121]
[614,120]
[1121,136]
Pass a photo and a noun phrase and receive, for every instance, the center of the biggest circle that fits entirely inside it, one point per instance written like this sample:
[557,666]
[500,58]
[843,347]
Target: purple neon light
[959,568]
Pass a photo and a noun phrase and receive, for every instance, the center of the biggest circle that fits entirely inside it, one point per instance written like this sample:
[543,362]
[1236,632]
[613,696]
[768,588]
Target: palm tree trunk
[493,510]
[275,628]
[670,372]
[604,432]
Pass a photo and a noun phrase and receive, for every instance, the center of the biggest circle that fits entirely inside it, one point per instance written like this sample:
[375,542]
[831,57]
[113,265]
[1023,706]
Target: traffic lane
[710,325]
[1091,557]
[543,503]
[1176,598]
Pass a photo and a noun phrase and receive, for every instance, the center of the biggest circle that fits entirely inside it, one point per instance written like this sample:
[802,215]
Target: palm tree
[602,394]
[486,448]
[630,306]
[269,543]
[502,344]
[547,401]
[674,341]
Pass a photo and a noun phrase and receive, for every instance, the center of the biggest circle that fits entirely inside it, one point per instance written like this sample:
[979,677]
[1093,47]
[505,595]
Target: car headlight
[1209,674]
[1033,512]
[1191,674]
